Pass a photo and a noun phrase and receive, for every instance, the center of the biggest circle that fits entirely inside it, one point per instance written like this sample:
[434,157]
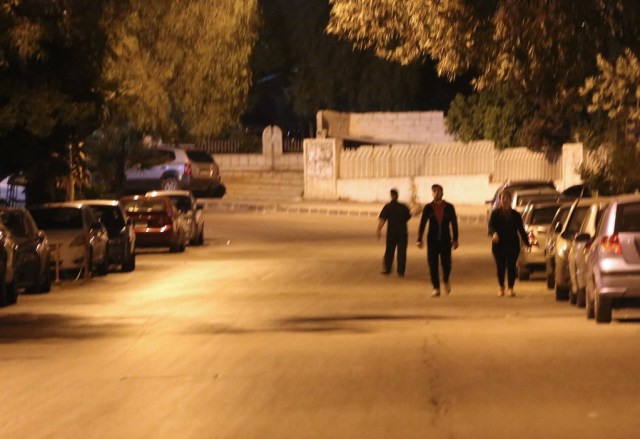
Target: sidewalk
[466,213]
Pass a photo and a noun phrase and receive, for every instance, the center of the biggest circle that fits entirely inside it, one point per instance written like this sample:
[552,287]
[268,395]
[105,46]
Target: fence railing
[231,146]
[292,145]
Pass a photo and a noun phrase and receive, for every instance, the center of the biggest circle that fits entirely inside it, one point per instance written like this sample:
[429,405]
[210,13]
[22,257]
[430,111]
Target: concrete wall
[407,127]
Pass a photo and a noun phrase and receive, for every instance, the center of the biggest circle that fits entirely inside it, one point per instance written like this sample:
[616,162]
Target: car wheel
[573,298]
[551,281]
[602,309]
[176,244]
[581,298]
[589,308]
[45,285]
[218,191]
[9,293]
[129,263]
[523,274]
[103,268]
[169,184]
[562,293]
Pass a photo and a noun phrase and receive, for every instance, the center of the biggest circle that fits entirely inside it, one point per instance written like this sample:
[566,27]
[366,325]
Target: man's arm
[454,227]
[423,223]
[381,222]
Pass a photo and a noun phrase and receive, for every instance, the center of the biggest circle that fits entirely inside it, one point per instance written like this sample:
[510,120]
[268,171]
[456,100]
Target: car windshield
[199,156]
[110,216]
[58,218]
[526,199]
[543,215]
[628,218]
[145,206]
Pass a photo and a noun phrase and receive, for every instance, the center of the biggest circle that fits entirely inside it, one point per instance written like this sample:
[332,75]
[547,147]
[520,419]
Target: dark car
[157,222]
[33,255]
[8,284]
[122,237]
[186,203]
[175,168]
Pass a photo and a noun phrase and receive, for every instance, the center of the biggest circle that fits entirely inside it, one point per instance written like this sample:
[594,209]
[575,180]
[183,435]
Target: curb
[353,211]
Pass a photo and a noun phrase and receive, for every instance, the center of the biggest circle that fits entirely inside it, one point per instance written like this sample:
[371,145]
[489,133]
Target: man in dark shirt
[397,215]
[443,222]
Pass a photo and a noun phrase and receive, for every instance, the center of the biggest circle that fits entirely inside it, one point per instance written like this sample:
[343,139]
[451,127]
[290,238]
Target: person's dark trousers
[400,242]
[439,253]
[506,261]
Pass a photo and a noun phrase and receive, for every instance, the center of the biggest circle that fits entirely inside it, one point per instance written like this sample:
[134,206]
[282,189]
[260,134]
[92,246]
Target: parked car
[8,284]
[516,185]
[563,244]
[550,250]
[523,197]
[186,203]
[122,237]
[537,219]
[32,255]
[175,168]
[76,237]
[578,253]
[157,222]
[613,261]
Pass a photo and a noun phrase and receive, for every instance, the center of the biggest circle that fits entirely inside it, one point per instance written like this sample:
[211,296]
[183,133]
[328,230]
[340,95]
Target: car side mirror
[41,236]
[567,235]
[97,226]
[557,228]
[200,206]
[129,222]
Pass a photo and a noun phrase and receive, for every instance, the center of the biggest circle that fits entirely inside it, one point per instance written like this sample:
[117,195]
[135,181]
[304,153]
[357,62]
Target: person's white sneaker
[447,287]
[435,293]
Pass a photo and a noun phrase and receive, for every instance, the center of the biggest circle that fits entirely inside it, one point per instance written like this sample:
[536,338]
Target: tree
[47,63]
[541,50]
[178,69]
[614,134]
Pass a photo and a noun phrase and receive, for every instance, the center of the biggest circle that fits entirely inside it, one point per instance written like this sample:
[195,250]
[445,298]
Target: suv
[175,168]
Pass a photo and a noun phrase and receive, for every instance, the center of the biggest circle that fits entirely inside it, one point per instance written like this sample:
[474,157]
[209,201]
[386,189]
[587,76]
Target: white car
[76,237]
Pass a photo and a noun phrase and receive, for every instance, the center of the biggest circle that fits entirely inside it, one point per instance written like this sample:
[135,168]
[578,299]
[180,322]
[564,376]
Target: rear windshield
[628,217]
[199,156]
[543,215]
[58,218]
[110,216]
[144,206]
[526,199]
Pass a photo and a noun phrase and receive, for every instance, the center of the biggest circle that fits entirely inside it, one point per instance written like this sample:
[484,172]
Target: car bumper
[155,238]
[67,258]
[534,258]
[620,285]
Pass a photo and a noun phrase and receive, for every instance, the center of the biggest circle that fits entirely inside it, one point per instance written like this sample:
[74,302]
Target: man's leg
[445,256]
[388,254]
[402,254]
[433,252]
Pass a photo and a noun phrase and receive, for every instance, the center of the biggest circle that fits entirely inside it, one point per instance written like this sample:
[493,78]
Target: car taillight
[532,238]
[187,169]
[611,244]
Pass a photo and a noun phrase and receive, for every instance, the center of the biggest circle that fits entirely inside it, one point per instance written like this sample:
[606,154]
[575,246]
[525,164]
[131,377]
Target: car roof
[536,191]
[169,193]
[626,198]
[69,204]
[100,202]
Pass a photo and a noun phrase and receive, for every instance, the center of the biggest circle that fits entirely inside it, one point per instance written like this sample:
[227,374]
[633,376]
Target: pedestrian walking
[396,215]
[505,224]
[442,236]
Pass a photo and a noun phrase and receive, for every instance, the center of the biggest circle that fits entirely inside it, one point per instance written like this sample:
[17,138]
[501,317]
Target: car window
[576,219]
[145,206]
[543,215]
[199,156]
[181,203]
[160,156]
[628,217]
[58,218]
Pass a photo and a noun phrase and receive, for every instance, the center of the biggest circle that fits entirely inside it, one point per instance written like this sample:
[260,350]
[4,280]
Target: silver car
[578,254]
[175,168]
[537,220]
[614,260]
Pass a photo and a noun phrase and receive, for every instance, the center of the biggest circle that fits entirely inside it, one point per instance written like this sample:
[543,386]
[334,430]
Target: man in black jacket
[396,214]
[442,236]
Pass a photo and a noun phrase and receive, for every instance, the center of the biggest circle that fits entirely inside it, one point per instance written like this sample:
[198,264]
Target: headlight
[77,241]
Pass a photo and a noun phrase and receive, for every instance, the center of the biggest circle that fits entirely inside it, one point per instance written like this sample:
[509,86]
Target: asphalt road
[281,326]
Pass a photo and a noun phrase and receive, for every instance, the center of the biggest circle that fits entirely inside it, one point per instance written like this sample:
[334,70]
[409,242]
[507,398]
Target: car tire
[589,307]
[103,268]
[218,191]
[8,293]
[129,263]
[200,238]
[523,274]
[581,298]
[169,184]
[573,298]
[551,281]
[603,309]
[562,293]
[45,285]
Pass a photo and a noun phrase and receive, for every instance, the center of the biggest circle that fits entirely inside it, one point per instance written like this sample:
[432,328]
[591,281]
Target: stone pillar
[321,160]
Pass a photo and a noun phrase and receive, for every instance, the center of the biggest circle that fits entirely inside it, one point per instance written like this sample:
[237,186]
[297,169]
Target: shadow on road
[16,328]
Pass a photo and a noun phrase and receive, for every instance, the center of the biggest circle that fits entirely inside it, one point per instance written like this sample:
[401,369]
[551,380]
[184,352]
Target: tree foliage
[178,69]
[542,50]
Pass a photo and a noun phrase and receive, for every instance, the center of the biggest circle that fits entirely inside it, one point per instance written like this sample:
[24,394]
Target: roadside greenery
[538,54]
